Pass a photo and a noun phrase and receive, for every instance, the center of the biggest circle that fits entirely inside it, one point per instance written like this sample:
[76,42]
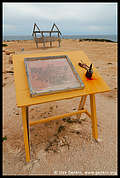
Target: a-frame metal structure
[43,39]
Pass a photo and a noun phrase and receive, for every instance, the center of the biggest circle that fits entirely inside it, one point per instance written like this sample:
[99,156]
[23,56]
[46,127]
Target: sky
[71,18]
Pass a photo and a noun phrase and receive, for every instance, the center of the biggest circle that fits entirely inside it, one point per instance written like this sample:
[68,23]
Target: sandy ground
[65,146]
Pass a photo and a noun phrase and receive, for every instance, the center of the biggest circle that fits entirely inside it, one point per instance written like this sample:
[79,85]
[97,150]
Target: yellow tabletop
[97,85]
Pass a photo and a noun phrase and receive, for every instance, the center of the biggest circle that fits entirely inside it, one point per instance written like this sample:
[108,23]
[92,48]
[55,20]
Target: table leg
[27,118]
[93,117]
[26,132]
[81,105]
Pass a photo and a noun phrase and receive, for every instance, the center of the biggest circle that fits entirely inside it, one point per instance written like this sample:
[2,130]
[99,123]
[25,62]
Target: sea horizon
[29,37]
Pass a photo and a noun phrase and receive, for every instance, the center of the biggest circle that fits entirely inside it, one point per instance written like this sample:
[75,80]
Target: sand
[65,146]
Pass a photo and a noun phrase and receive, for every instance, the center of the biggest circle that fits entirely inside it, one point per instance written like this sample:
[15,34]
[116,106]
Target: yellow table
[97,85]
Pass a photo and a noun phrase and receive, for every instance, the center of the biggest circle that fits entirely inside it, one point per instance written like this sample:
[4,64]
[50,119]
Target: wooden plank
[93,116]
[50,40]
[57,27]
[54,25]
[33,30]
[97,85]
[81,105]
[57,117]
[59,40]
[36,41]
[37,27]
[47,39]
[26,134]
[46,31]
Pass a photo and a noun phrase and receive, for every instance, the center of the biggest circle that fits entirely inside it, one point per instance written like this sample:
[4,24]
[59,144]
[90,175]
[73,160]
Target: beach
[61,147]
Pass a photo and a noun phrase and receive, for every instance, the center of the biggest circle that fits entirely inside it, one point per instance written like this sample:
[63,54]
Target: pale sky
[71,18]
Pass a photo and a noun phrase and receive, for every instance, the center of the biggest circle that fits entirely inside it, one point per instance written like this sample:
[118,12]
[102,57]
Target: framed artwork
[51,74]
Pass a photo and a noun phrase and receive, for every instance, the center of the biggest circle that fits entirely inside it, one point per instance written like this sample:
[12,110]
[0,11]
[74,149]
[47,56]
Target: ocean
[107,37]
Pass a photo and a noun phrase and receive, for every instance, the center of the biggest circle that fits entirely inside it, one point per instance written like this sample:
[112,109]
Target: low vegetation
[102,40]
[3,44]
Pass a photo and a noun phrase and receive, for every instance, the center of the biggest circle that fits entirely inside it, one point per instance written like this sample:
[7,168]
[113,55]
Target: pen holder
[89,72]
[89,69]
